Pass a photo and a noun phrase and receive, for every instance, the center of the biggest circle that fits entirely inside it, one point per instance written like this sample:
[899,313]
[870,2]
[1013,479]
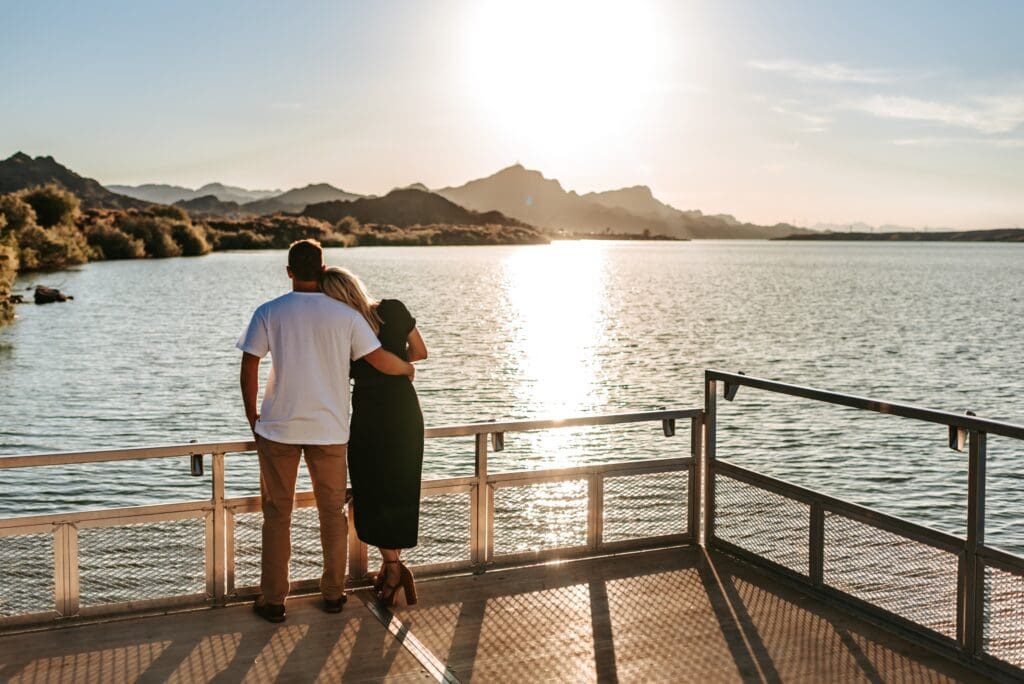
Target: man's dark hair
[306,259]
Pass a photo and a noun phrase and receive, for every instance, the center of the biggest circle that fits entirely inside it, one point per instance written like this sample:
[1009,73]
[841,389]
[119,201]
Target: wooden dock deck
[675,615]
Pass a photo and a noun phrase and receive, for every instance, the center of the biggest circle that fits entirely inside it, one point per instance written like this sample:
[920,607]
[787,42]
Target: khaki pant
[279,468]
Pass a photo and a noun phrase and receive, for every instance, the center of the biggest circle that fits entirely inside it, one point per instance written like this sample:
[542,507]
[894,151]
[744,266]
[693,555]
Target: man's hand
[389,364]
[250,382]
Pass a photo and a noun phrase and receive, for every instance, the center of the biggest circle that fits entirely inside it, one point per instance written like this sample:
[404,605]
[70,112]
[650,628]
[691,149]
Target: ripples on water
[145,355]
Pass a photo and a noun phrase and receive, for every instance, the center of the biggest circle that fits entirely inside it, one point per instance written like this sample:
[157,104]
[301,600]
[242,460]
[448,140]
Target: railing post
[220,530]
[972,603]
[710,411]
[816,545]
[696,466]
[595,511]
[65,569]
[480,523]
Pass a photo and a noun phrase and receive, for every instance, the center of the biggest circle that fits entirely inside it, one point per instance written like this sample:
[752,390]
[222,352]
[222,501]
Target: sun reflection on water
[556,296]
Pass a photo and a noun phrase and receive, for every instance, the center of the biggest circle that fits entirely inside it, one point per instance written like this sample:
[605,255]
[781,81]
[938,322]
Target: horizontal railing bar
[621,468]
[126,515]
[12,527]
[888,617]
[734,549]
[139,605]
[131,454]
[891,523]
[579,421]
[430,486]
[237,446]
[1002,560]
[966,422]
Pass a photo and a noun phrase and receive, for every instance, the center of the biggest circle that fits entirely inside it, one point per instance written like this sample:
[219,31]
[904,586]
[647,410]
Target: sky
[907,113]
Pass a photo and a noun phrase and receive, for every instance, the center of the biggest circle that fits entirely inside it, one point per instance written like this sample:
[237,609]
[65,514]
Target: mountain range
[527,195]
[513,196]
[169,194]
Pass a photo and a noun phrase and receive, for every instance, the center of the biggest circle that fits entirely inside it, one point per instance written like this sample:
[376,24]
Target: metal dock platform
[720,574]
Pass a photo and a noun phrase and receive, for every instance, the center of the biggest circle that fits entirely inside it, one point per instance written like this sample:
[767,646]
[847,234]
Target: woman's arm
[416,348]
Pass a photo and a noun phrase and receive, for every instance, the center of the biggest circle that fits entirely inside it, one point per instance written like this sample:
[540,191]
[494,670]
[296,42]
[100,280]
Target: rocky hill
[529,196]
[404,208]
[210,205]
[21,171]
[294,201]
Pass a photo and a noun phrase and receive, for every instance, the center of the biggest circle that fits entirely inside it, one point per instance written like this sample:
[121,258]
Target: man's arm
[389,364]
[250,381]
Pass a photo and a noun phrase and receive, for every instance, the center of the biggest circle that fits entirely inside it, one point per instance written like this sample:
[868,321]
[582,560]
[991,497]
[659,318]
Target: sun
[556,72]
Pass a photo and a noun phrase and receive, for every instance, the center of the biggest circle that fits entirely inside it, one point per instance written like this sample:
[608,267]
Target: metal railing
[120,560]
[957,592]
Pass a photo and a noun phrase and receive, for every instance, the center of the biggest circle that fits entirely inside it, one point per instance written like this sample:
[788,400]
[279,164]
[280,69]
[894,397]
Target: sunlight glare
[555,295]
[563,70]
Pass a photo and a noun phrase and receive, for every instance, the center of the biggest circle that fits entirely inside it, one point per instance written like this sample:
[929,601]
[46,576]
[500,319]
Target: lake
[145,355]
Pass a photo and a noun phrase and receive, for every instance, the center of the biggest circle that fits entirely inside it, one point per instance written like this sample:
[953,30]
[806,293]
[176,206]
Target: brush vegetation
[45,228]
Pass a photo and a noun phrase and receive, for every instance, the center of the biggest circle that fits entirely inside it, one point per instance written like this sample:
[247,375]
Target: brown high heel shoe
[389,594]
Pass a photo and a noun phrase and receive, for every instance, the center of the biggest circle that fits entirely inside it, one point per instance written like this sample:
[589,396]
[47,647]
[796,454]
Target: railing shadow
[677,614]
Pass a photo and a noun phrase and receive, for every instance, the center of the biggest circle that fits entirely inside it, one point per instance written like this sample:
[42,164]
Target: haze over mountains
[523,195]
[169,194]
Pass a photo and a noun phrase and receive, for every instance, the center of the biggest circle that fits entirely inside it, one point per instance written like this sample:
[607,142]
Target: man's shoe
[269,611]
[335,605]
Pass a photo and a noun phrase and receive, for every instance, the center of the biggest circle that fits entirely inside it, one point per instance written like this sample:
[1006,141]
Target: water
[145,355]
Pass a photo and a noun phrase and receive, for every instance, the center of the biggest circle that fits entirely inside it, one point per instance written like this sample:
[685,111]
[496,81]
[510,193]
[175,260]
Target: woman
[385,448]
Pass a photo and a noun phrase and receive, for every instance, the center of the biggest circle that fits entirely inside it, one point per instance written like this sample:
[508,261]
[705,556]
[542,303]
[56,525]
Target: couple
[318,335]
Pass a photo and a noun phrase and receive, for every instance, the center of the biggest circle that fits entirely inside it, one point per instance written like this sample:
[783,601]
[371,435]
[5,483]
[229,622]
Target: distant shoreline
[992,235]
[616,236]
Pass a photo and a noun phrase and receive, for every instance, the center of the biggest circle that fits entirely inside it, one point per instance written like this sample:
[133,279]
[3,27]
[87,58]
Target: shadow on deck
[671,615]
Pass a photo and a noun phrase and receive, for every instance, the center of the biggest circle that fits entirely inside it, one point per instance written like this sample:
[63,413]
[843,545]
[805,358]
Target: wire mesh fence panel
[1003,623]
[540,517]
[307,554]
[770,525]
[650,505]
[141,561]
[905,577]
[443,532]
[26,574]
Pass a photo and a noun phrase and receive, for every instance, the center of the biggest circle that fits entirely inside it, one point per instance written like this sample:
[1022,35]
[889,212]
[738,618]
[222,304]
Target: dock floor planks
[674,615]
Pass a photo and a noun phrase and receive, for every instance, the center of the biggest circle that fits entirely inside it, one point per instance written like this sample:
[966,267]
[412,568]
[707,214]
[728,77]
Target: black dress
[385,448]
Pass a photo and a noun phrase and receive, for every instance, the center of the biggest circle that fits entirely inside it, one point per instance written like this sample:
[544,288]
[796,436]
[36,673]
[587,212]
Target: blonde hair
[345,286]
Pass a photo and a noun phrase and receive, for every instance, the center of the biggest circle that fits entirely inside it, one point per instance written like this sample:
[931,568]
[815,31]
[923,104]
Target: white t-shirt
[311,339]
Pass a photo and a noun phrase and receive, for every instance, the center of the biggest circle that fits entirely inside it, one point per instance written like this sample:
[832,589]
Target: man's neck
[305,286]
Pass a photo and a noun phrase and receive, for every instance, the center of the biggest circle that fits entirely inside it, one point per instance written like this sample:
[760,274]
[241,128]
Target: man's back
[311,339]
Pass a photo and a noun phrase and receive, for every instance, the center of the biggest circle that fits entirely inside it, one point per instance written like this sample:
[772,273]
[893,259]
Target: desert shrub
[244,239]
[168,211]
[191,238]
[155,234]
[346,225]
[46,250]
[272,232]
[8,270]
[17,213]
[110,243]
[52,204]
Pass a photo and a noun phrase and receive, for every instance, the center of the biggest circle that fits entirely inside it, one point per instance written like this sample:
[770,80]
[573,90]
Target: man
[311,339]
